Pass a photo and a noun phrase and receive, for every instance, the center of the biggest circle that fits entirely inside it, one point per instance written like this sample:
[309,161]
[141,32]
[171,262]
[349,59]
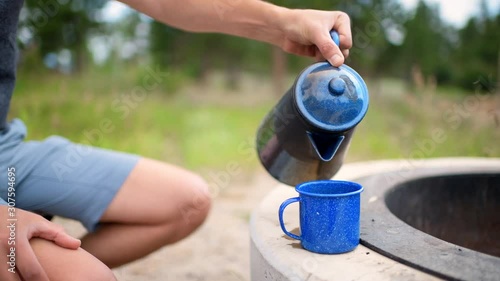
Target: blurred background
[430,65]
[98,73]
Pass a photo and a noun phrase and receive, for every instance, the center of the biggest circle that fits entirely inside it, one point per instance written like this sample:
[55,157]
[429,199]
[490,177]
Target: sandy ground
[218,250]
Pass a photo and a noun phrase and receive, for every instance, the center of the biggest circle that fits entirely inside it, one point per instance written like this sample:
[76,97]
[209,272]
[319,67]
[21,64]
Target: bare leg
[157,205]
[62,264]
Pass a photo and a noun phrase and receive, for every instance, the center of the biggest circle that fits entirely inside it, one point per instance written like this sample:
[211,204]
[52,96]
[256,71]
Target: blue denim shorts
[60,178]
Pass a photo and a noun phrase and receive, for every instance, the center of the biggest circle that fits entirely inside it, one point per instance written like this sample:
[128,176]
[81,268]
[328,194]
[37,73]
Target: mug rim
[307,183]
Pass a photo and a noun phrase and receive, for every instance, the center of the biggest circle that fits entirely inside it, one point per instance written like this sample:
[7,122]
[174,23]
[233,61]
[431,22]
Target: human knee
[196,205]
[103,273]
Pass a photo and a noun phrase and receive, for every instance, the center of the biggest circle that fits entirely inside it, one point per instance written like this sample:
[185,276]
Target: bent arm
[302,32]
[252,19]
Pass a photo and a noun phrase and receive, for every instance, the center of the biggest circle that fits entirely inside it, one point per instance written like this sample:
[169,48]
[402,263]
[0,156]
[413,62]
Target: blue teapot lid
[331,98]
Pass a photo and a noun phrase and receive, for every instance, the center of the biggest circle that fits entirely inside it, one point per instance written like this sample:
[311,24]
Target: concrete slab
[274,256]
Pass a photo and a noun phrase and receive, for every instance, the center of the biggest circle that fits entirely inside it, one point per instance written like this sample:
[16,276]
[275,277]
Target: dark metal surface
[306,135]
[408,215]
[286,151]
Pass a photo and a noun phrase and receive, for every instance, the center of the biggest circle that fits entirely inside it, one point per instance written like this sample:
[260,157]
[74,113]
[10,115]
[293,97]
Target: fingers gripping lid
[331,98]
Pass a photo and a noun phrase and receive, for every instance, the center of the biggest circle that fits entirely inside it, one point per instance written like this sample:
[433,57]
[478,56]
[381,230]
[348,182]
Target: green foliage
[200,132]
[198,54]
[372,21]
[423,44]
[55,25]
[478,57]
[162,43]
[388,41]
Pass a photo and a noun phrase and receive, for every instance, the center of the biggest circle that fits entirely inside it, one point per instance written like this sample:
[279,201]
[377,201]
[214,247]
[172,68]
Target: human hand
[26,226]
[307,33]
[300,32]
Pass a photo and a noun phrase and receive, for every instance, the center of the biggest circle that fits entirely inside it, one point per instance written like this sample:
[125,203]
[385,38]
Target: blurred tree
[376,26]
[388,40]
[425,50]
[162,43]
[58,25]
[373,21]
[466,62]
[198,54]
[477,57]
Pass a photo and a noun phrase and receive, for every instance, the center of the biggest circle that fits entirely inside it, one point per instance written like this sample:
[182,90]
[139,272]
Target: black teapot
[306,135]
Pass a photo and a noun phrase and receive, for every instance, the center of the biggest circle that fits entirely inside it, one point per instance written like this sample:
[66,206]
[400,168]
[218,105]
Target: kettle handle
[335,37]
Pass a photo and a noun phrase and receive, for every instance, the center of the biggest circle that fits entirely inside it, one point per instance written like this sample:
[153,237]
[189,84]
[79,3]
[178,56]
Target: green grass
[93,110]
[208,126]
[412,125]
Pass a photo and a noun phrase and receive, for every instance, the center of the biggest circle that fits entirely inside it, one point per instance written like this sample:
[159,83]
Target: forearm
[300,32]
[252,19]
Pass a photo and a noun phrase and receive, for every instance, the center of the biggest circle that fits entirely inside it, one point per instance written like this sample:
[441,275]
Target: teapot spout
[325,147]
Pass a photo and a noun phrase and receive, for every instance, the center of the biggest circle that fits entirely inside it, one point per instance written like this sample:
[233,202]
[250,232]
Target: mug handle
[280,214]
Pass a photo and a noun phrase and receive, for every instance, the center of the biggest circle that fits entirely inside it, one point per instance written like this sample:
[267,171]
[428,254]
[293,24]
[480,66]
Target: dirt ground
[218,250]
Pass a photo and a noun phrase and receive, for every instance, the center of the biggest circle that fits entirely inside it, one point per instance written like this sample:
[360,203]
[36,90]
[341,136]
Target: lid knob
[337,86]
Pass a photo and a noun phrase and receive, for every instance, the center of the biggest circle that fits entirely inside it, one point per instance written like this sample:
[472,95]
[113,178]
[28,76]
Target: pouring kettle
[306,135]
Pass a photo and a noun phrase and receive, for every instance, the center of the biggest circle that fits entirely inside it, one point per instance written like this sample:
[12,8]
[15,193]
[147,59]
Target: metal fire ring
[385,232]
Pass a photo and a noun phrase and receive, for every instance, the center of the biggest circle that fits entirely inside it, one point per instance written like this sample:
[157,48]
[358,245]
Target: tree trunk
[233,75]
[279,71]
[498,74]
[204,67]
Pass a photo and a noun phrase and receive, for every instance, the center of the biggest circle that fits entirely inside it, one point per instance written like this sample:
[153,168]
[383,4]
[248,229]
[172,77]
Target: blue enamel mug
[329,215]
